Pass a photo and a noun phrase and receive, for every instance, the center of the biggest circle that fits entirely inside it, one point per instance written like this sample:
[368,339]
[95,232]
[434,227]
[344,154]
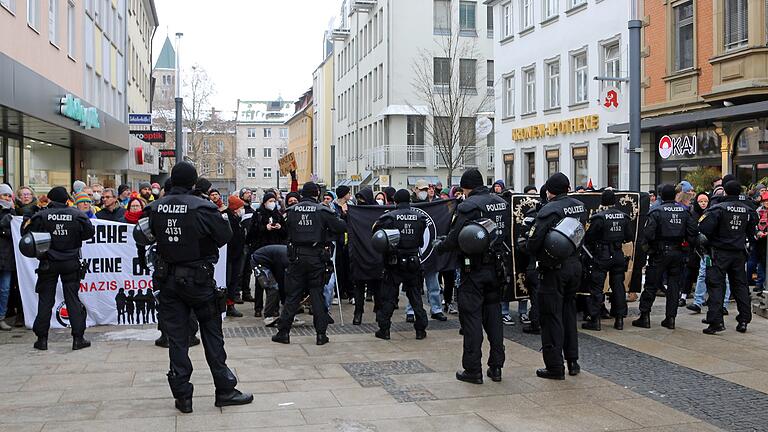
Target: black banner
[366,263]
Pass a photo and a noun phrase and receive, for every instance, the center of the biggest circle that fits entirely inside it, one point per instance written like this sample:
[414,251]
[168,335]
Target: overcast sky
[252,49]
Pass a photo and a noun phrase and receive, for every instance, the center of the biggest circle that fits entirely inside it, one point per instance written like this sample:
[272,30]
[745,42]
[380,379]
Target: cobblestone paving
[372,374]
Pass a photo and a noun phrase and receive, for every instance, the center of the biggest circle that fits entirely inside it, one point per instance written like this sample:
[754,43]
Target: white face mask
[422,195]
[155,191]
[96,196]
[241,212]
[381,202]
[270,206]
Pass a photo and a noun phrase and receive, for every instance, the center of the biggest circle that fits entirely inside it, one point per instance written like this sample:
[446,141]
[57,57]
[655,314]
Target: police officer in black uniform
[667,227]
[479,294]
[608,230]
[68,228]
[189,232]
[558,282]
[402,265]
[311,228]
[727,227]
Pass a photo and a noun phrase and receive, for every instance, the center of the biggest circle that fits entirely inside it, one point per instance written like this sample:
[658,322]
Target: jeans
[701,286]
[522,307]
[328,291]
[433,294]
[5,291]
[756,263]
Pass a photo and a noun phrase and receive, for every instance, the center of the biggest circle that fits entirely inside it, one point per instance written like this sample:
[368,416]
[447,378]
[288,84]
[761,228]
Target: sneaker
[452,309]
[508,320]
[270,321]
[4,326]
[410,318]
[524,319]
[335,301]
[298,322]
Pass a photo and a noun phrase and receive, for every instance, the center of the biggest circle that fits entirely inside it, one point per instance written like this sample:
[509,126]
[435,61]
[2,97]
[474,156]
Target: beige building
[322,123]
[217,158]
[300,142]
[142,23]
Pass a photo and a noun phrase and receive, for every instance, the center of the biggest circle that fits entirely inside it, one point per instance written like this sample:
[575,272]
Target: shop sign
[139,152]
[574,125]
[72,107]
[610,98]
[384,181]
[149,136]
[680,145]
[167,153]
[140,119]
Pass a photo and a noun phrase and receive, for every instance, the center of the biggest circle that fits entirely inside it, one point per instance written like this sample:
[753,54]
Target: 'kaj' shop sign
[680,145]
[72,107]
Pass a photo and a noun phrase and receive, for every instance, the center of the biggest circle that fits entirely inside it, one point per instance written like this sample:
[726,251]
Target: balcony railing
[408,156]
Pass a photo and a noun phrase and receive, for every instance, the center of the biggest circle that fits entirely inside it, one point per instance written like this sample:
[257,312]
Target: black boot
[238,299]
[358,319]
[714,328]
[382,334]
[235,397]
[194,341]
[282,337]
[41,343]
[547,374]
[532,328]
[162,341]
[322,339]
[421,334]
[184,405]
[494,373]
[644,321]
[232,312]
[593,324]
[741,327]
[669,322]
[573,367]
[476,378]
[80,342]
[619,323]
[247,297]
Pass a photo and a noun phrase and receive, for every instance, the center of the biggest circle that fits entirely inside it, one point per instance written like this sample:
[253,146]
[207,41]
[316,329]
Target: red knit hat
[235,202]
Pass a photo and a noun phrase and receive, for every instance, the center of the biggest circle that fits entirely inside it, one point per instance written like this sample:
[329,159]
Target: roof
[260,111]
[167,57]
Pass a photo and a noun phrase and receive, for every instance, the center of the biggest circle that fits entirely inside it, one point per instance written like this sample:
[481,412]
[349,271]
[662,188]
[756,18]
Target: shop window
[46,165]
[530,168]
[509,170]
[612,165]
[553,162]
[580,164]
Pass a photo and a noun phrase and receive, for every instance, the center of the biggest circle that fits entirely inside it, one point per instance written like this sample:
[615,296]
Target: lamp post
[635,25]
[179,102]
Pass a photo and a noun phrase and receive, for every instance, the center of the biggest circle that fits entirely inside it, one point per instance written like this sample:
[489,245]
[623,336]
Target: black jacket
[117,215]
[258,234]
[7,258]
[236,244]
[78,228]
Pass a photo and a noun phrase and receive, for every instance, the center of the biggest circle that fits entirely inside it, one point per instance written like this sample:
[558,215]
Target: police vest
[616,223]
[494,208]
[305,223]
[411,226]
[733,222]
[563,208]
[174,222]
[671,221]
[63,225]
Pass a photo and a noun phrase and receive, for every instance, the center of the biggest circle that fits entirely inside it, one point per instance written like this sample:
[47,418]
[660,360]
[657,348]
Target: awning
[353,183]
[696,118]
[342,182]
[405,110]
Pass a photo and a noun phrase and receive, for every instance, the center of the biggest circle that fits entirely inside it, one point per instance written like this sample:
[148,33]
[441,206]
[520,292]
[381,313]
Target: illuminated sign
[149,136]
[681,145]
[574,125]
[73,108]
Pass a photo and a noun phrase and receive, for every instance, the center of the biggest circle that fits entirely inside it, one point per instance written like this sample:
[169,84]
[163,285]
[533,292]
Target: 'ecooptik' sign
[71,107]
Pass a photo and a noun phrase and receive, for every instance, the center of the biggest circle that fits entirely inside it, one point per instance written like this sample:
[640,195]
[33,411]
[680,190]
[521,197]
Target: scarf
[133,217]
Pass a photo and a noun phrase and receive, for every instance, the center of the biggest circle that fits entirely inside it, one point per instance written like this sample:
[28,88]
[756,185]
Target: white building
[549,118]
[262,139]
[379,127]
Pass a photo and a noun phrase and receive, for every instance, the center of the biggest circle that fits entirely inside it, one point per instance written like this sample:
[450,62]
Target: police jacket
[609,227]
[68,226]
[312,224]
[188,229]
[409,223]
[669,224]
[743,198]
[480,203]
[729,224]
[556,209]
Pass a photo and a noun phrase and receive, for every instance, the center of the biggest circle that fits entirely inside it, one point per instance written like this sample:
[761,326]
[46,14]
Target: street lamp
[635,25]
[179,102]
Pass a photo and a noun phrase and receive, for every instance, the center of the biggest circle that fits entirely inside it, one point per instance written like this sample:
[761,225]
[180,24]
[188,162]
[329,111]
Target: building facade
[382,123]
[301,142]
[217,160]
[262,139]
[705,83]
[551,115]
[323,120]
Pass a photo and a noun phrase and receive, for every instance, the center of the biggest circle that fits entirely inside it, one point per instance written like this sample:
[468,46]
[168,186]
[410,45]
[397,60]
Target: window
[735,23]
[489,20]
[530,168]
[509,170]
[467,17]
[267,172]
[468,74]
[251,131]
[683,49]
[529,90]
[267,132]
[489,73]
[508,29]
[9,4]
[526,14]
[553,162]
[442,16]
[612,165]
[267,152]
[53,28]
[33,13]
[576,3]
[381,81]
[442,71]
[415,130]
[251,172]
[251,152]
[71,29]
[206,147]
[552,86]
[579,77]
[220,169]
[220,146]
[611,61]
[283,132]
[206,167]
[509,96]
[580,174]
[549,9]
[281,151]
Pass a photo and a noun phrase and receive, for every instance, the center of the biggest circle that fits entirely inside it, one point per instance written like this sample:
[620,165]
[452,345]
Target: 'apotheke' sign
[578,124]
[71,107]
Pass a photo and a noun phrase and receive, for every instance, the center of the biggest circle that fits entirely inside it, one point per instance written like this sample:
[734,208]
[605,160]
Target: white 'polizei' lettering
[674,209]
[736,209]
[496,207]
[614,216]
[573,210]
[59,217]
[406,217]
[172,208]
[304,208]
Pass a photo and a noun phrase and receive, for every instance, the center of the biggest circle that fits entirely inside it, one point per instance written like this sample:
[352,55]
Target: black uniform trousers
[609,262]
[374,288]
[479,302]
[668,260]
[48,273]
[175,309]
[557,312]
[307,271]
[731,264]
[395,276]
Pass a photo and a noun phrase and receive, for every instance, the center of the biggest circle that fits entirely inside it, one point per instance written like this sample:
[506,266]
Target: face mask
[96,196]
[270,206]
[155,191]
[241,212]
[422,195]
[381,202]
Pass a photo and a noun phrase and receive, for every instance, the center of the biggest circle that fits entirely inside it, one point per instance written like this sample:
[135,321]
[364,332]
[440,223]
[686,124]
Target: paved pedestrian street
[635,380]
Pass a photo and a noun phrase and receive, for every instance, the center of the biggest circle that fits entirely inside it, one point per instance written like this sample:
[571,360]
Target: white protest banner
[113,277]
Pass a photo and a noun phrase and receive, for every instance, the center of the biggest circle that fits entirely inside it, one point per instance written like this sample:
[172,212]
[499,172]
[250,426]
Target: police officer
[402,265]
[559,280]
[311,228]
[269,264]
[479,294]
[68,228]
[608,230]
[728,226]
[189,232]
[667,227]
[529,261]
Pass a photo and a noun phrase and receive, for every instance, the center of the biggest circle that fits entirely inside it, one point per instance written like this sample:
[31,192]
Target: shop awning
[696,118]
[342,182]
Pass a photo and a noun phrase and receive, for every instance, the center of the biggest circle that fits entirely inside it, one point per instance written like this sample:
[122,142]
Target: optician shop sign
[574,125]
[71,107]
[678,145]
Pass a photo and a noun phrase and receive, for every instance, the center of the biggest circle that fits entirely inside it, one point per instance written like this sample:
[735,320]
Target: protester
[135,208]
[247,195]
[431,193]
[26,202]
[145,191]
[124,194]
[266,227]
[98,192]
[235,255]
[83,203]
[112,210]
[7,259]
[381,198]
[341,206]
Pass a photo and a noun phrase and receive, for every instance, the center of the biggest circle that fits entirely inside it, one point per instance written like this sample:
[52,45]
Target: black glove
[437,243]
[143,261]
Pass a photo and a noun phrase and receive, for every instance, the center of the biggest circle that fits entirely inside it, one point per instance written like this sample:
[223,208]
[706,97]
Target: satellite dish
[483,127]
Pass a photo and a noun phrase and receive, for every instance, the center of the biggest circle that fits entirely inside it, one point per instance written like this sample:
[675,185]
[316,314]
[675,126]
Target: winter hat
[685,186]
[155,185]
[82,197]
[732,188]
[529,188]
[203,185]
[402,196]
[329,194]
[143,185]
[267,196]
[78,186]
[608,197]
[727,178]
[235,203]
[446,191]
[183,174]
[243,191]
[471,179]
[499,182]
[342,191]
[310,189]
[5,189]
[292,195]
[558,183]
[667,192]
[168,185]
[58,194]
[122,188]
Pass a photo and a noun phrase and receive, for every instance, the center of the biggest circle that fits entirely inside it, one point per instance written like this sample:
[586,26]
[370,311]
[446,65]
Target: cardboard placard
[287,164]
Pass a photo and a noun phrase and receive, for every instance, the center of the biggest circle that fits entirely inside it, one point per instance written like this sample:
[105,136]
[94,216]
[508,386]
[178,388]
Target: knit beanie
[732,188]
[267,196]
[58,194]
[608,198]
[5,189]
[667,192]
[402,196]
[558,183]
[235,202]
[471,179]
[342,191]
[183,174]
[81,198]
